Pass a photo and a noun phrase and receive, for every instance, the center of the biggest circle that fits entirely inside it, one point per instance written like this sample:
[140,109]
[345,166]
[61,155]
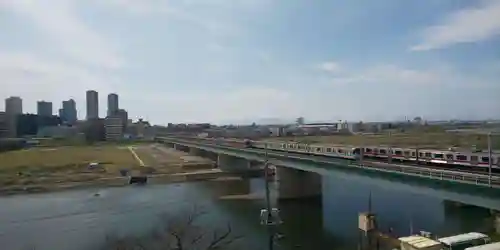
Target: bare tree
[179,232]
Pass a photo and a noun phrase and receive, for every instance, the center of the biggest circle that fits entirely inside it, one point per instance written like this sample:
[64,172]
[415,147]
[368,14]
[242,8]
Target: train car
[433,156]
[415,155]
[312,149]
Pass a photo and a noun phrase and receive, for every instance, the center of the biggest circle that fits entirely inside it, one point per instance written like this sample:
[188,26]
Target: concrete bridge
[300,176]
[292,183]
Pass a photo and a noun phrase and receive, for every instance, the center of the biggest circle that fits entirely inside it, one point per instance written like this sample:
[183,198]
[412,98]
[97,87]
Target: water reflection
[80,220]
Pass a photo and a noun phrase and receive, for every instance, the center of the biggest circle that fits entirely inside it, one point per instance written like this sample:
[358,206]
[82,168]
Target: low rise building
[58,132]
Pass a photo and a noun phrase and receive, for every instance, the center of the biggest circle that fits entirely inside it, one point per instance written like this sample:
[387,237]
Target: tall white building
[112,104]
[69,114]
[14,105]
[44,108]
[92,105]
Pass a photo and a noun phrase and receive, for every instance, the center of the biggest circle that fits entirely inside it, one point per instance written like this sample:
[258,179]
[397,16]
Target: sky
[238,61]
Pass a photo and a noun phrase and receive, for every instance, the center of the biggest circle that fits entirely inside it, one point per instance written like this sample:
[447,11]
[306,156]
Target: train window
[438,156]
[449,156]
[369,150]
[383,151]
[485,159]
[407,153]
[461,157]
[398,152]
[301,147]
[420,154]
[428,155]
[340,151]
[329,150]
[318,149]
[413,154]
[474,158]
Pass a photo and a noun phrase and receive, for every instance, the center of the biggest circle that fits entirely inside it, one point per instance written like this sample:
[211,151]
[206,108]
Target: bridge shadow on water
[399,209]
[469,194]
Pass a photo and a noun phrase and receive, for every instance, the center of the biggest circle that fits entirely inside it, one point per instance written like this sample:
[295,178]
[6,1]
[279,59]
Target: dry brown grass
[63,164]
[168,160]
[440,140]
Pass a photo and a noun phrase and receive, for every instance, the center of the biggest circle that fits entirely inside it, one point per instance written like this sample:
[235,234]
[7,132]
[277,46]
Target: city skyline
[249,60]
[68,110]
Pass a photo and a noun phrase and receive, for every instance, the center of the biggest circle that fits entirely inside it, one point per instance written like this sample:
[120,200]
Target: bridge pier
[297,184]
[194,151]
[232,164]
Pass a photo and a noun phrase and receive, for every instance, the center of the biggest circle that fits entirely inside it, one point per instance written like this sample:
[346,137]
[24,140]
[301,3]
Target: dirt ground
[168,160]
[48,167]
[439,140]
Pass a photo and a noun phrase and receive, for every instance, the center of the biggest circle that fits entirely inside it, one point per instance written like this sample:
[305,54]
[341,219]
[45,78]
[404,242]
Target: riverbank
[193,176]
[51,169]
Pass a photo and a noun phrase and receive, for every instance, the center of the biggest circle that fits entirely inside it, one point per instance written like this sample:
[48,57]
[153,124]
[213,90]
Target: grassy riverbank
[54,168]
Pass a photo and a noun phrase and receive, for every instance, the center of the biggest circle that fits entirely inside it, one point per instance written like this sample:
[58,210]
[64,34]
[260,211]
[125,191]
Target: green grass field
[439,140]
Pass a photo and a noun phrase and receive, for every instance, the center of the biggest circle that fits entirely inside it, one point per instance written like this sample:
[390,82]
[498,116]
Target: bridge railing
[425,172]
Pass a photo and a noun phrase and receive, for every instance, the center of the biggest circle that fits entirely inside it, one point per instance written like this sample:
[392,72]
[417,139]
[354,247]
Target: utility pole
[271,218]
[389,153]
[490,160]
[268,201]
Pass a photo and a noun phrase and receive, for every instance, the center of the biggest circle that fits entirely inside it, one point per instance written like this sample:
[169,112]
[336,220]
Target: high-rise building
[13,106]
[113,126]
[92,105]
[112,104]
[69,111]
[122,113]
[44,108]
[4,125]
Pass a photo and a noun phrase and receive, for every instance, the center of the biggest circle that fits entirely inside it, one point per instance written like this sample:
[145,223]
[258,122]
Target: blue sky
[243,60]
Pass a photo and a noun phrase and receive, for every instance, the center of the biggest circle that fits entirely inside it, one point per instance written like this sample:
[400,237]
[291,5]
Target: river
[80,220]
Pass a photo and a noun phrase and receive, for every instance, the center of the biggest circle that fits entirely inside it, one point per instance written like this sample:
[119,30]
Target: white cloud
[464,26]
[388,73]
[393,74]
[59,20]
[139,7]
[231,105]
[179,10]
[331,67]
[36,78]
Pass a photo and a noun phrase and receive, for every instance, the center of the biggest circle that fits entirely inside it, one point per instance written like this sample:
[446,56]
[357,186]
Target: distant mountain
[271,121]
[261,121]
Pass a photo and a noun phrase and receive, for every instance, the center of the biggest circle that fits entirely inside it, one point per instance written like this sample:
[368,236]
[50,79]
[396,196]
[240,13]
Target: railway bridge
[299,175]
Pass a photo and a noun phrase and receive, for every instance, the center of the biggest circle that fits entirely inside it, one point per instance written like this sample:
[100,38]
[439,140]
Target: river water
[80,220]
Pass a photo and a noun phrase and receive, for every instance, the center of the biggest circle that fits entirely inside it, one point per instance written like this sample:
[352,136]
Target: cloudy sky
[243,60]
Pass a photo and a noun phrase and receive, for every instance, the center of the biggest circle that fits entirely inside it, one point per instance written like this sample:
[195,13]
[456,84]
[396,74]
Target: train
[468,159]
[415,155]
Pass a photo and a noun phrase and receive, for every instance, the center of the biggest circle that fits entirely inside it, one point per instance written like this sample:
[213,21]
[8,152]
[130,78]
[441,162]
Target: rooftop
[419,242]
[462,238]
